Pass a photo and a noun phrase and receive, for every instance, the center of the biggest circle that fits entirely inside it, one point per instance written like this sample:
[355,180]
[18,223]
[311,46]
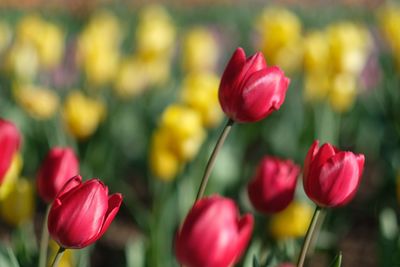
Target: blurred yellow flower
[316,86]
[82,115]
[343,92]
[18,206]
[157,70]
[5,36]
[316,52]
[67,260]
[47,38]
[39,102]
[200,92]
[279,31]
[98,48]
[23,61]
[389,21]
[164,164]
[292,222]
[131,78]
[184,126]
[200,50]
[11,176]
[155,33]
[350,45]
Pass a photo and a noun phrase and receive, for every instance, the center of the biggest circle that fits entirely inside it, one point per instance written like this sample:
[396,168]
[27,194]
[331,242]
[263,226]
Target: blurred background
[132,87]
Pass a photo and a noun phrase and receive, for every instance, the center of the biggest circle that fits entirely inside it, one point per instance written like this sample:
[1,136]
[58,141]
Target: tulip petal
[9,142]
[114,203]
[71,184]
[340,177]
[263,92]
[309,158]
[246,224]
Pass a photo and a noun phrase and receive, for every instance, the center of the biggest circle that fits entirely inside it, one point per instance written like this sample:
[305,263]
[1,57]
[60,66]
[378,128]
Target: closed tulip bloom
[331,177]
[249,90]
[10,139]
[273,186]
[213,234]
[82,212]
[60,165]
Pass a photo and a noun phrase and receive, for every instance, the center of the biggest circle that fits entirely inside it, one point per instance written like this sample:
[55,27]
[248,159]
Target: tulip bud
[10,139]
[213,234]
[60,165]
[273,186]
[82,212]
[331,177]
[249,90]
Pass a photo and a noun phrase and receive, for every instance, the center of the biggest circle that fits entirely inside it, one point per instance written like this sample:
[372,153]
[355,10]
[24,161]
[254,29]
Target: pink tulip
[213,234]
[10,140]
[331,177]
[82,212]
[249,90]
[60,165]
[273,186]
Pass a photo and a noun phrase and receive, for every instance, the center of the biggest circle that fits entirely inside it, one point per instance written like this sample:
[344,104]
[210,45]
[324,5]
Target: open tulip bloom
[82,212]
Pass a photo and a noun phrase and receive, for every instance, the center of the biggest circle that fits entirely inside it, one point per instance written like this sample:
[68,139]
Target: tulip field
[199,135]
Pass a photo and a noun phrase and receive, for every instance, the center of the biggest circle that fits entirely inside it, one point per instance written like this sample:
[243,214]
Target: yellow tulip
[67,260]
[350,46]
[5,36]
[23,61]
[316,52]
[18,206]
[316,86]
[164,164]
[184,126]
[157,69]
[11,176]
[200,50]
[131,78]
[200,92]
[82,115]
[343,92]
[46,37]
[39,102]
[98,48]
[292,222]
[155,33]
[280,37]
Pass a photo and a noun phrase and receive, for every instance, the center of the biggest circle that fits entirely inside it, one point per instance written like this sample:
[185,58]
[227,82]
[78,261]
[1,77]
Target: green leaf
[337,261]
[255,262]
[7,257]
[135,251]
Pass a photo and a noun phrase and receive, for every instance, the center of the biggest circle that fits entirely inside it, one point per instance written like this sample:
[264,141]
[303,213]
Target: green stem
[57,259]
[307,239]
[211,161]
[44,240]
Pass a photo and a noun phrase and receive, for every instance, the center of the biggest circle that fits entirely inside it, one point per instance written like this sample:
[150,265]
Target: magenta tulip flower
[249,90]
[274,184]
[10,139]
[331,177]
[60,165]
[213,234]
[82,212]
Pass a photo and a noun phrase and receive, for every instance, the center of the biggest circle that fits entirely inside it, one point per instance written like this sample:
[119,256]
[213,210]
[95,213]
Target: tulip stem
[57,259]
[211,161]
[309,234]
[44,240]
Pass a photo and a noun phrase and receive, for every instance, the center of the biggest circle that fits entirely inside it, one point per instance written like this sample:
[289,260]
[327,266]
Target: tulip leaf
[135,251]
[7,257]
[255,262]
[337,261]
